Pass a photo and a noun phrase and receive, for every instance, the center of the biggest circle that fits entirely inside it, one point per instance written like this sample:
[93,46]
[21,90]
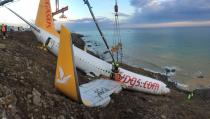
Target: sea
[185,49]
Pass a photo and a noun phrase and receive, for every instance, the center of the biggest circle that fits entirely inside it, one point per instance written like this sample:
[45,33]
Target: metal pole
[3,2]
[34,27]
[96,23]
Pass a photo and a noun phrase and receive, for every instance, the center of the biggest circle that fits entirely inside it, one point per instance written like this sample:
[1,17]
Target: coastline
[154,49]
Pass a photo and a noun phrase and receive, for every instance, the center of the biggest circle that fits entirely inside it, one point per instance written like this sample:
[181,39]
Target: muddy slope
[27,91]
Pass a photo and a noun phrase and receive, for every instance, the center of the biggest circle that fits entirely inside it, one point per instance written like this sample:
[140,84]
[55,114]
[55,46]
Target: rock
[43,117]
[21,77]
[61,117]
[29,68]
[203,94]
[86,115]
[17,116]
[21,81]
[29,96]
[102,115]
[51,117]
[36,110]
[17,58]
[140,113]
[163,116]
[2,74]
[10,106]
[15,79]
[200,77]
[2,46]
[45,105]
[77,41]
[129,110]
[72,117]
[3,114]
[8,100]
[36,97]
[150,101]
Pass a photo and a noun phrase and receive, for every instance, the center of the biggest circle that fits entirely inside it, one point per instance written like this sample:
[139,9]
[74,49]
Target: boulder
[2,46]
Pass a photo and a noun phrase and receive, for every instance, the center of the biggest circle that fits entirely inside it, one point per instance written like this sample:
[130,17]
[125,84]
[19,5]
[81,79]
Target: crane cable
[117,42]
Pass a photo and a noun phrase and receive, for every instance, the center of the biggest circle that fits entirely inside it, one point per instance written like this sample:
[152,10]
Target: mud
[27,90]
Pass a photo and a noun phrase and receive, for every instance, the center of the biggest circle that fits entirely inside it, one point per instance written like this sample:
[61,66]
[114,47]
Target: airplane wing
[97,93]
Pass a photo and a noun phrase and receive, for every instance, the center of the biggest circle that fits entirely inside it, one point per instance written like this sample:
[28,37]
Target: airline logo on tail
[62,79]
[48,14]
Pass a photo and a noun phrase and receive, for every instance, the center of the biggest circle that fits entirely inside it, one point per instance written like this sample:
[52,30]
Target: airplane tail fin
[66,77]
[44,17]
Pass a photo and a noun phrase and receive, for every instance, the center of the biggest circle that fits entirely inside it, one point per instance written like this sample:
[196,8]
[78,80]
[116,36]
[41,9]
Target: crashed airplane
[97,92]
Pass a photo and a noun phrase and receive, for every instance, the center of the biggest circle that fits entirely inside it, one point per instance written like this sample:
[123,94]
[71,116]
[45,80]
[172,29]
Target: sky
[133,13]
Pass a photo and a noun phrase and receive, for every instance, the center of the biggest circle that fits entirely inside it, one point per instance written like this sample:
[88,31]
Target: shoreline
[192,83]
[158,54]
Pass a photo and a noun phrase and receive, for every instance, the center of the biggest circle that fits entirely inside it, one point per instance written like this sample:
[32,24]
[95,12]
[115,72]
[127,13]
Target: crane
[58,11]
[117,43]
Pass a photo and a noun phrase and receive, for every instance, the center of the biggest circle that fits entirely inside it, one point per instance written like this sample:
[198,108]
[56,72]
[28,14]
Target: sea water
[186,49]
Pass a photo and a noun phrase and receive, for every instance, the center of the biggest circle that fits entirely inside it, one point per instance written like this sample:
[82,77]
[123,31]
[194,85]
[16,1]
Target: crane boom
[101,33]
[58,10]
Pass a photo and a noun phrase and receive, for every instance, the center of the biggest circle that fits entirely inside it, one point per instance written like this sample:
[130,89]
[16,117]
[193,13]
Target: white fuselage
[96,66]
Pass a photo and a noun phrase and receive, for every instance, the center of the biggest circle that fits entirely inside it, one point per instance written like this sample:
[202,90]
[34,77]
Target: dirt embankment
[27,90]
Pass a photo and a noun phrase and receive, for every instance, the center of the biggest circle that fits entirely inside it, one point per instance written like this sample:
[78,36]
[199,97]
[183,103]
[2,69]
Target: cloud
[154,11]
[157,13]
[170,24]
[88,23]
[141,3]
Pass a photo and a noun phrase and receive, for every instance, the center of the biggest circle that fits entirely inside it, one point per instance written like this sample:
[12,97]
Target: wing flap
[97,92]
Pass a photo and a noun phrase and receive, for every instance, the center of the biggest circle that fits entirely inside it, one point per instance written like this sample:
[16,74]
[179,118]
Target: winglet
[66,77]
